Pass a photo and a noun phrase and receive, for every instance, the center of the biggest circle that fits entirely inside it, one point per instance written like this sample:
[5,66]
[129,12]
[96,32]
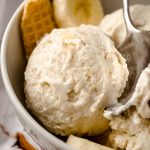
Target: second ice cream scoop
[136,51]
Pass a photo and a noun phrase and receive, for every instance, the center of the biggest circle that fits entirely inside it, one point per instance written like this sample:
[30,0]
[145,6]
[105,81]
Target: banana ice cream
[113,24]
[74,74]
[116,30]
[130,130]
[70,78]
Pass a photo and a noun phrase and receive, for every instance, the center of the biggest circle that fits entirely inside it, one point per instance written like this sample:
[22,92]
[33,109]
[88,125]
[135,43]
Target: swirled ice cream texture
[113,25]
[71,76]
[130,127]
[129,131]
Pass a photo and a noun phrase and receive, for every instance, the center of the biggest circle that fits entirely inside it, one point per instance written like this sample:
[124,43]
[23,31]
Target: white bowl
[13,65]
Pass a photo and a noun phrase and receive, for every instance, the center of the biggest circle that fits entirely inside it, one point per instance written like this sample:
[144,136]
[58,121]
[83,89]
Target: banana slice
[69,13]
[83,144]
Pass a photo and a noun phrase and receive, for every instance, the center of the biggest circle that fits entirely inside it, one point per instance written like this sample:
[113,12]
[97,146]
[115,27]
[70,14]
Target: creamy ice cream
[113,25]
[130,131]
[71,76]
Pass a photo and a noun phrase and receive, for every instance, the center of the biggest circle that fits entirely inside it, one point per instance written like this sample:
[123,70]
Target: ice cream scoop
[136,50]
[71,76]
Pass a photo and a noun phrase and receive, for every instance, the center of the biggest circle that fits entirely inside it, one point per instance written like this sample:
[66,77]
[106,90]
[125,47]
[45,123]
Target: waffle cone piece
[37,20]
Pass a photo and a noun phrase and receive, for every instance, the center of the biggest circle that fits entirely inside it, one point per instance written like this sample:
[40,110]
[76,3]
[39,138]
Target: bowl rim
[12,96]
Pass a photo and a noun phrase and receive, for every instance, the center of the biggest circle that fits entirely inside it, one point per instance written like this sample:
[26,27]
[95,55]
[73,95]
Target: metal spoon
[136,50]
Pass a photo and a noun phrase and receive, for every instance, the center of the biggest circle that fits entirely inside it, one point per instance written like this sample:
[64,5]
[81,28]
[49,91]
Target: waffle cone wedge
[37,20]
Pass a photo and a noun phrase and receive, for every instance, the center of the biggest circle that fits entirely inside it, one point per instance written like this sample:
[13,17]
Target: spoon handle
[127,18]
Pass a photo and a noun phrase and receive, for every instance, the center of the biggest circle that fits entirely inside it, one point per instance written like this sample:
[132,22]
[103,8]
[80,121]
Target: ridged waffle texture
[37,20]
